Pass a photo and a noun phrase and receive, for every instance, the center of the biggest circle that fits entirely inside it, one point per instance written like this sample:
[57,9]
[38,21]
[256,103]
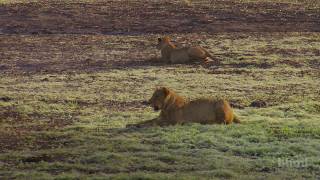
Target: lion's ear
[165,90]
[159,39]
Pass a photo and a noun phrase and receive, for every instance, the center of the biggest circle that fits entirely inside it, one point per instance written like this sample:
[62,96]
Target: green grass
[71,126]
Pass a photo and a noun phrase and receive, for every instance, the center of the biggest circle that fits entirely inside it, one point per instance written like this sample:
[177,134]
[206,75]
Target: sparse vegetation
[65,100]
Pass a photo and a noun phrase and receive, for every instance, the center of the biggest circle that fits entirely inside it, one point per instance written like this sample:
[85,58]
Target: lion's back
[187,54]
[197,52]
[208,111]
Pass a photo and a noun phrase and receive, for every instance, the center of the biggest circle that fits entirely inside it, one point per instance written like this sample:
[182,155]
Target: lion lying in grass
[171,54]
[176,110]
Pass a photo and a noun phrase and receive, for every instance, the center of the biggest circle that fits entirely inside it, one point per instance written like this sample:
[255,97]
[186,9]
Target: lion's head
[163,42]
[157,101]
[164,98]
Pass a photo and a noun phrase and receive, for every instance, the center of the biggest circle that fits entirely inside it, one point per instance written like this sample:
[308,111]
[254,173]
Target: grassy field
[67,92]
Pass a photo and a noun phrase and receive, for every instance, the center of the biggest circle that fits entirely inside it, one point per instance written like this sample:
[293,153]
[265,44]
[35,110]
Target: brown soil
[137,17]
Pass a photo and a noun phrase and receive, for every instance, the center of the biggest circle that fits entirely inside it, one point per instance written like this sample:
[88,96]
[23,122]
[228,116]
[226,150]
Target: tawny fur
[171,54]
[176,110]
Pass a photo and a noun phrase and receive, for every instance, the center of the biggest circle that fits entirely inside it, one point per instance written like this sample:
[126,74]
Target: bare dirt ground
[138,17]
